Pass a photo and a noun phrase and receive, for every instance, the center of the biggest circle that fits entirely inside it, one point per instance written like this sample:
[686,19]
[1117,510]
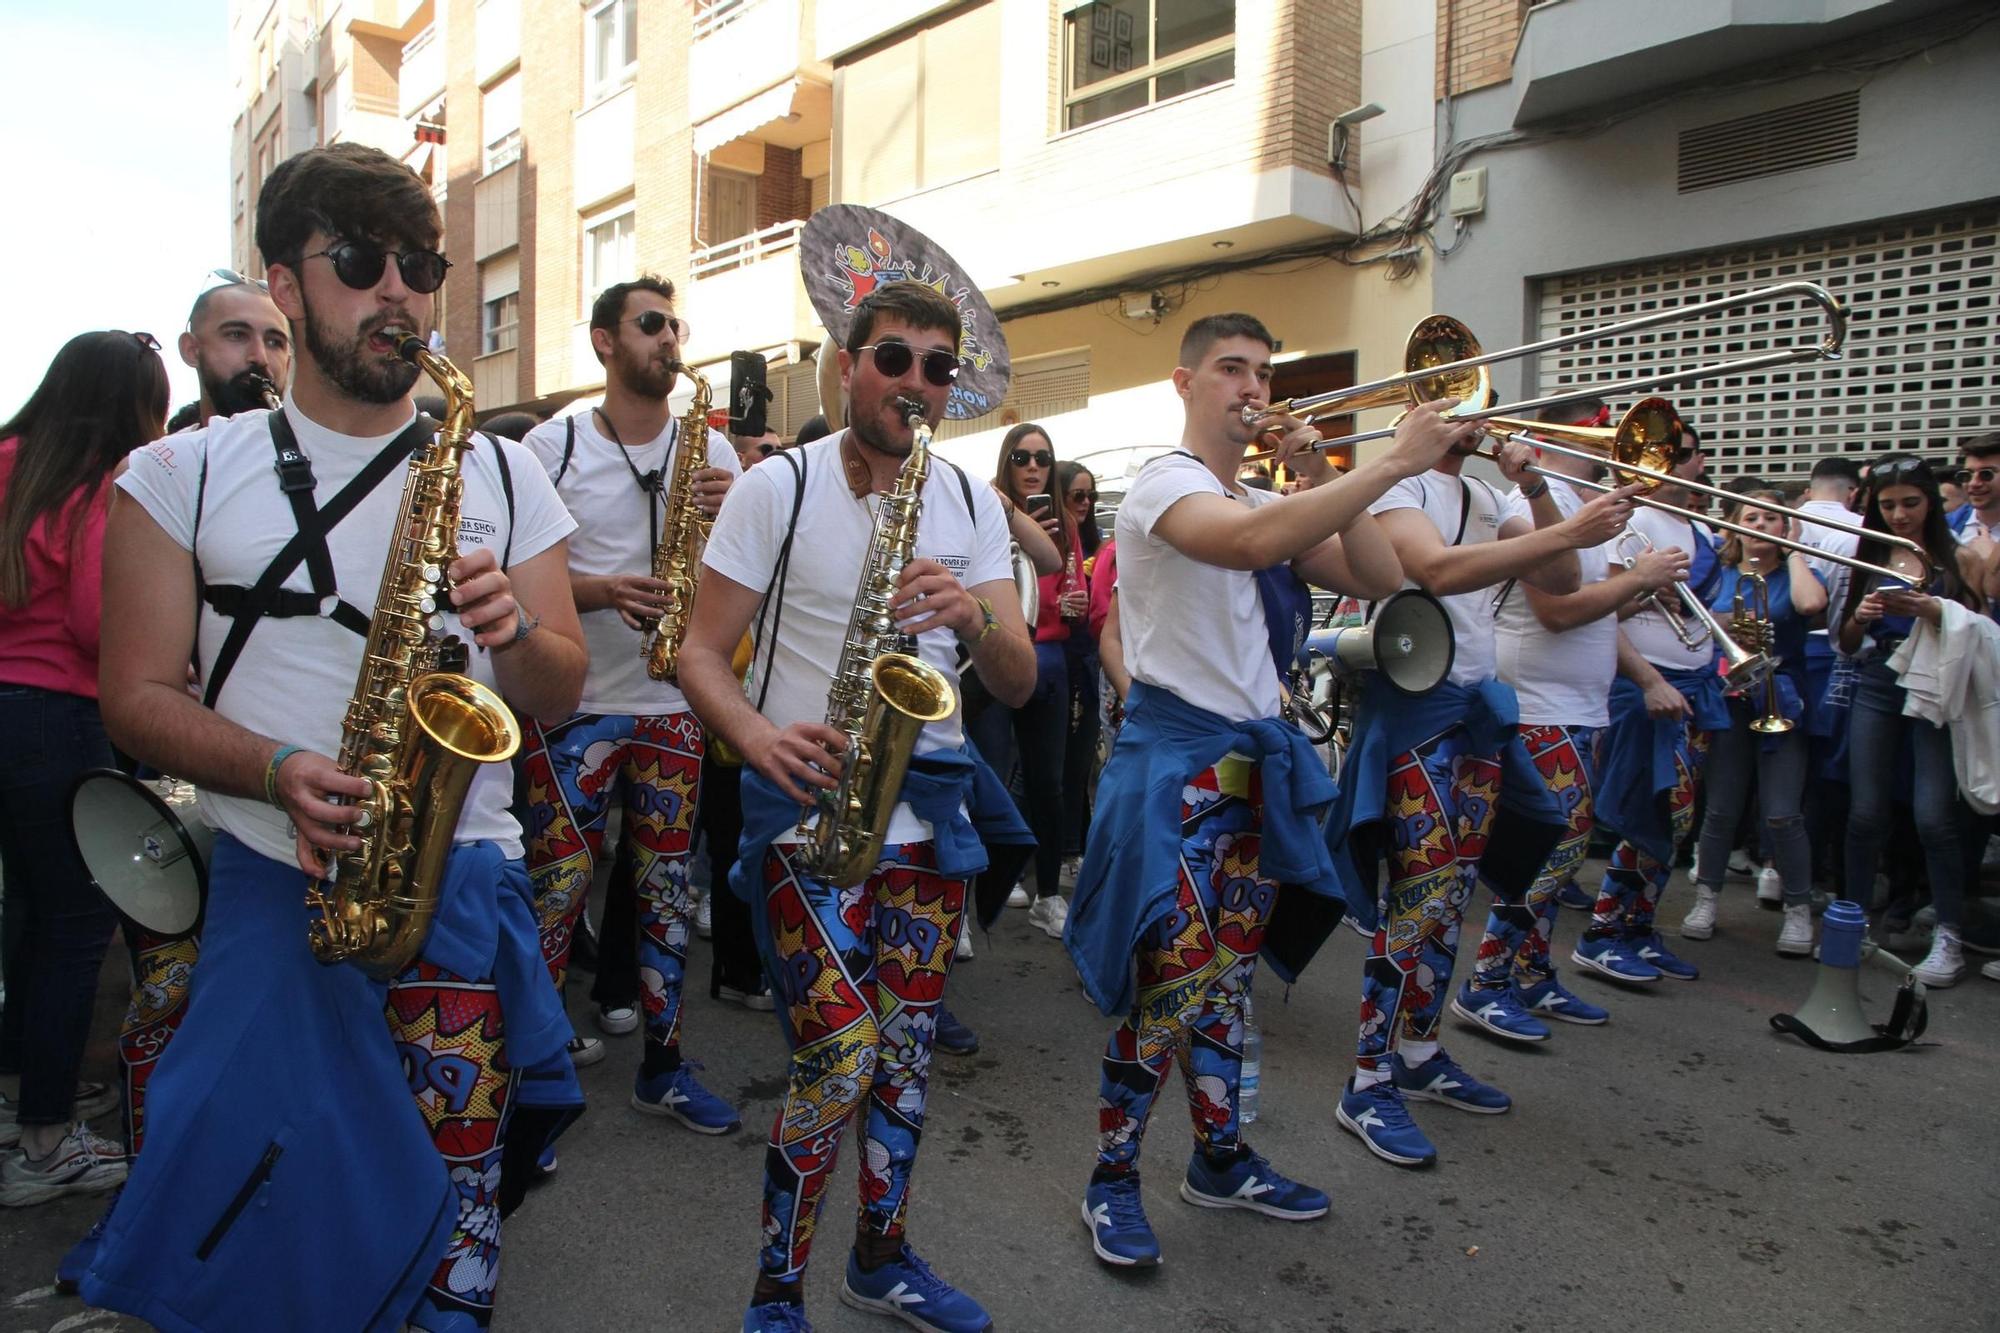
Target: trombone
[1745,664]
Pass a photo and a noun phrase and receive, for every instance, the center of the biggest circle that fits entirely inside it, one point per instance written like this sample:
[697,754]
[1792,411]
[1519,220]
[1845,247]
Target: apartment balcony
[496,37]
[1575,55]
[603,158]
[746,293]
[422,79]
[753,71]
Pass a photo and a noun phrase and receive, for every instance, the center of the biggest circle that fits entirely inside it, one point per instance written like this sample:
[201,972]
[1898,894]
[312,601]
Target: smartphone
[1039,505]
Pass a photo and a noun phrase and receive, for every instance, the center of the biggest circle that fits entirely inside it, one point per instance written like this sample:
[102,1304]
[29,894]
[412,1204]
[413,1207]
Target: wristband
[1541,489]
[278,758]
[992,622]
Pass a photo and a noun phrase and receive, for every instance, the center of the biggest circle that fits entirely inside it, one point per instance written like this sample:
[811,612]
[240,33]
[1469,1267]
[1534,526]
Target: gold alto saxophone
[677,559]
[417,728]
[883,694]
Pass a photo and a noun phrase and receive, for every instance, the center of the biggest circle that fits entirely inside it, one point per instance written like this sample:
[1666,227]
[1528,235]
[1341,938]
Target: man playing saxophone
[860,971]
[620,467]
[284,1089]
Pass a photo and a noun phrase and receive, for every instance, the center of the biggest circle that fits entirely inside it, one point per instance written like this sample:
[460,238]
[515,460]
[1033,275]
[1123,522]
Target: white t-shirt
[1831,572]
[1192,628]
[1648,630]
[296,674]
[1562,677]
[824,574]
[613,537]
[1440,496]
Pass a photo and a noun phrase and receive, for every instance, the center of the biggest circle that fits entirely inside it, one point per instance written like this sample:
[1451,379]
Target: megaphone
[149,856]
[1831,1018]
[1409,641]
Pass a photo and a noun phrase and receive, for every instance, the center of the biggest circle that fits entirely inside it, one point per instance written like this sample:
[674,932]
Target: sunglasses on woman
[894,359]
[147,341]
[1039,457]
[362,266]
[1083,497]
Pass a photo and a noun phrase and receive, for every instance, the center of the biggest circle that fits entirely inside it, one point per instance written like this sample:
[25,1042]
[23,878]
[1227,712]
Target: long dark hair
[1087,535]
[1938,542]
[104,395]
[1003,477]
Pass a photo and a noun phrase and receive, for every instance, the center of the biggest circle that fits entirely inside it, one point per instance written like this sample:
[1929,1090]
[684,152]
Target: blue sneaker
[1574,895]
[1652,950]
[1439,1079]
[678,1096]
[906,1288]
[1500,1013]
[1377,1115]
[1248,1181]
[1119,1232]
[776,1317]
[954,1037]
[1612,957]
[1550,997]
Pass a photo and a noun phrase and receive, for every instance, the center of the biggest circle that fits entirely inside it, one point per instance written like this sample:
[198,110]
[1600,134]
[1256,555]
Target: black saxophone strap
[774,605]
[244,607]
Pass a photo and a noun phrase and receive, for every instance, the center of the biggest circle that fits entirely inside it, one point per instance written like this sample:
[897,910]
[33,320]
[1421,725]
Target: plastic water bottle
[1253,1061]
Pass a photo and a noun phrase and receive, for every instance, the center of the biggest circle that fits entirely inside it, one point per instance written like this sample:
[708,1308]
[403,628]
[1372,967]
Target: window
[500,122]
[329,109]
[609,253]
[610,46]
[1125,54]
[921,111]
[499,303]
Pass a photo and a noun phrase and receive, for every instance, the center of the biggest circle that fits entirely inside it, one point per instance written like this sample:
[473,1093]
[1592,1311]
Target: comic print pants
[449,1034]
[1194,973]
[161,970]
[860,972]
[1633,881]
[1516,944]
[1440,807]
[572,773]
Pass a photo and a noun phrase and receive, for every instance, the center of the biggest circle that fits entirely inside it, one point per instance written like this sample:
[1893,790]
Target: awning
[746,117]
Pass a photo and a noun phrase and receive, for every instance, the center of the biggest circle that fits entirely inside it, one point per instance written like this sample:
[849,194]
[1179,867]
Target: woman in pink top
[104,395]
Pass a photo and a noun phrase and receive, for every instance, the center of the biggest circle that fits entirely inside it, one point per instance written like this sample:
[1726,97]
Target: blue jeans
[1878,734]
[55,926]
[1779,764]
[1037,732]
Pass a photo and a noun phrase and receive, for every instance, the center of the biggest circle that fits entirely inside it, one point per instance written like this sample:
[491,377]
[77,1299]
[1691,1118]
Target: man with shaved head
[235,338]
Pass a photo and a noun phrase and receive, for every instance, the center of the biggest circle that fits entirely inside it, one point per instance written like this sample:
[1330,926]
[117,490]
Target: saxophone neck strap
[244,607]
[651,484]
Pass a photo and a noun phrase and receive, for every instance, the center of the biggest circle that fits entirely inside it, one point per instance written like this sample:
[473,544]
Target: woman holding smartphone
[1871,621]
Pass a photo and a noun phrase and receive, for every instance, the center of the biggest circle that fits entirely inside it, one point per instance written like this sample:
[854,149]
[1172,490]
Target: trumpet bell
[1646,436]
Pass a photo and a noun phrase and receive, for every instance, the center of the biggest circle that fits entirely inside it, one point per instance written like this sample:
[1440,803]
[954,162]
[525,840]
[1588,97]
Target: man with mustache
[238,343]
[285,1119]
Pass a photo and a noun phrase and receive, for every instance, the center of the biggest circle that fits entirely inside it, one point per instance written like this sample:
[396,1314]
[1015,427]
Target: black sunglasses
[894,359]
[232,278]
[1087,496]
[362,266]
[1040,458]
[652,322]
[147,341]
[1965,476]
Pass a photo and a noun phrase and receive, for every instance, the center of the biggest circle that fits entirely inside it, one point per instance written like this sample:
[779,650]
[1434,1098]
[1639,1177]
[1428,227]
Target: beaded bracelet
[278,758]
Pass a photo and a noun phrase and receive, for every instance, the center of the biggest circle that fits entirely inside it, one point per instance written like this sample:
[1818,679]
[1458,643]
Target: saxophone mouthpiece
[407,344]
[913,410]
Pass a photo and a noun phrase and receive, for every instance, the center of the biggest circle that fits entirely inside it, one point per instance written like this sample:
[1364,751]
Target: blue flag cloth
[1132,863]
[1287,605]
[1642,754]
[1526,828]
[281,1140]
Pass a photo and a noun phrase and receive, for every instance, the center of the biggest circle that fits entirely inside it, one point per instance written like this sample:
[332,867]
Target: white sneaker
[1944,964]
[585,1051]
[1741,864]
[1018,895]
[965,936]
[1991,971]
[617,1019]
[82,1163]
[1770,890]
[1699,923]
[1050,914]
[1071,868]
[92,1100]
[1795,938]
[704,915]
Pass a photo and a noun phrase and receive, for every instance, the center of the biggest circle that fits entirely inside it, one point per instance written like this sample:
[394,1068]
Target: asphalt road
[1682,1168]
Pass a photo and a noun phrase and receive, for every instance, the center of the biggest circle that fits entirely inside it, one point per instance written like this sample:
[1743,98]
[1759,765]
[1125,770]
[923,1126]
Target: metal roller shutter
[1918,374]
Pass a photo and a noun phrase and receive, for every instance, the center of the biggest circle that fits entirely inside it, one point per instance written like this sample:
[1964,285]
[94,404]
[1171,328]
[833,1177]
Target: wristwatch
[524,624]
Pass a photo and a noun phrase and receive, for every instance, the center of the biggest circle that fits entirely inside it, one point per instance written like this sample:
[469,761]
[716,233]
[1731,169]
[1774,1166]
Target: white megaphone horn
[1832,1018]
[1409,642]
[147,855]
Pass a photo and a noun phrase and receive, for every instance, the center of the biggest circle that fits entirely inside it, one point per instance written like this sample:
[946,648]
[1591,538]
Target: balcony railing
[758,245]
[709,15]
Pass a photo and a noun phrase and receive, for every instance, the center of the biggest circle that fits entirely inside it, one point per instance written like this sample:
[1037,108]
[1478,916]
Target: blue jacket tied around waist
[1132,864]
[1526,827]
[1638,766]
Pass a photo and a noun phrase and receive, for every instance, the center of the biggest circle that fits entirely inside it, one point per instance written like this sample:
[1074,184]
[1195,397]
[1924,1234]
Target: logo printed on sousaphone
[864,268]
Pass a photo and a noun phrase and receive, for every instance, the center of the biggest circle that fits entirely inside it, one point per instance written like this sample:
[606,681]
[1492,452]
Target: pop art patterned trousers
[450,1036]
[571,773]
[1194,971]
[1440,808]
[1516,945]
[1634,881]
[161,970]
[860,973]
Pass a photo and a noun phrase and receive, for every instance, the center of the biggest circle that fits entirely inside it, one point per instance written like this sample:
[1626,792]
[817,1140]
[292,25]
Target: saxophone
[416,727]
[676,560]
[883,694]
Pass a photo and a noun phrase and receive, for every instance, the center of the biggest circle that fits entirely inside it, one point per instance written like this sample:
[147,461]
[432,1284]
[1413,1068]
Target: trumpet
[1745,665]
[1750,618]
